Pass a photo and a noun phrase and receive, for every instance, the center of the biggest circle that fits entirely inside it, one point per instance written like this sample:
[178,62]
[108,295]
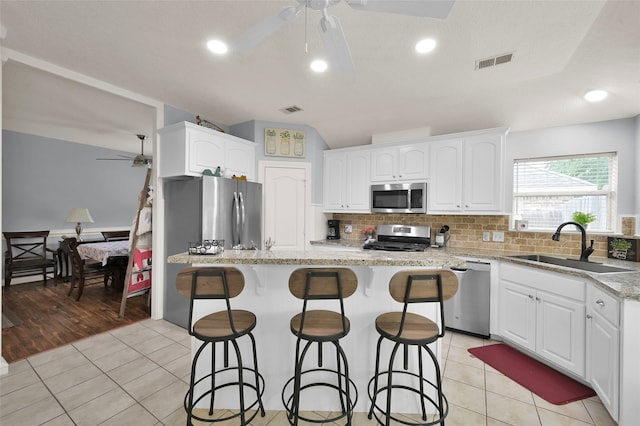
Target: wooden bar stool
[225,327]
[411,329]
[320,326]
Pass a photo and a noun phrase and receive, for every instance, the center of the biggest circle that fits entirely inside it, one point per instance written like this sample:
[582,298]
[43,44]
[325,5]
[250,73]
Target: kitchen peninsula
[266,294]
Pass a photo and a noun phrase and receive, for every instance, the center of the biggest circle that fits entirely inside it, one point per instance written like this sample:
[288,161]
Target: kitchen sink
[571,263]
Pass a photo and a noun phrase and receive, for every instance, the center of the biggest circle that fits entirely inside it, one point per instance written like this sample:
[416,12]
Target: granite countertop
[625,285]
[314,257]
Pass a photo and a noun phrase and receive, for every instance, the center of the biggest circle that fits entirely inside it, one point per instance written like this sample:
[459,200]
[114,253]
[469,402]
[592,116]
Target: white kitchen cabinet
[346,181]
[603,347]
[544,312]
[186,149]
[400,163]
[466,175]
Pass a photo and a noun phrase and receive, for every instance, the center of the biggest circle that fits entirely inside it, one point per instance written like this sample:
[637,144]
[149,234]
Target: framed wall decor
[284,143]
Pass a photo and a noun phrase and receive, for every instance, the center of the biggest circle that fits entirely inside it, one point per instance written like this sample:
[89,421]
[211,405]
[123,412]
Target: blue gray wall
[42,179]
[621,136]
[254,131]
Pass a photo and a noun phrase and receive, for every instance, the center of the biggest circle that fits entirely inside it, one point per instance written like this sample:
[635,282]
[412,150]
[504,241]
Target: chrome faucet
[586,251]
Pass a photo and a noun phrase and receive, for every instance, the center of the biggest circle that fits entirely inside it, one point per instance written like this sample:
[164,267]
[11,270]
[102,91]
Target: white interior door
[287,197]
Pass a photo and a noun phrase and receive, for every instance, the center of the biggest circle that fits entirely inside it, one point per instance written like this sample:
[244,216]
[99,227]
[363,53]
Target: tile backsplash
[466,232]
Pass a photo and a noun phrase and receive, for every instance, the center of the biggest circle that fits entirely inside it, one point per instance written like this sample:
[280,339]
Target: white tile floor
[138,375]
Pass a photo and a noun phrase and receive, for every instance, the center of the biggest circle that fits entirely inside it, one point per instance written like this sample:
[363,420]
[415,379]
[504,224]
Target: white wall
[621,136]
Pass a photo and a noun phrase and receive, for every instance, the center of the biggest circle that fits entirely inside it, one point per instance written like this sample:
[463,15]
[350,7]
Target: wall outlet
[486,236]
[498,237]
[348,229]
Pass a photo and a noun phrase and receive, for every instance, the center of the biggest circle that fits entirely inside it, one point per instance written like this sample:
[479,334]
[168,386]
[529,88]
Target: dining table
[104,250]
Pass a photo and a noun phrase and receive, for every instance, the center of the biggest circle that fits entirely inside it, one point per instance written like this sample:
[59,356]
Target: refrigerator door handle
[235,232]
[241,220]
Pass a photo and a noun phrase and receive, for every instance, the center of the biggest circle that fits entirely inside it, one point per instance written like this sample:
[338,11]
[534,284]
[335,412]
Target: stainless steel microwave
[399,198]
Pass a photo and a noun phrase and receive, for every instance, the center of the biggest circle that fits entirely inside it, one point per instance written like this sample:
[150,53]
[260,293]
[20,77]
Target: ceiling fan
[139,160]
[330,28]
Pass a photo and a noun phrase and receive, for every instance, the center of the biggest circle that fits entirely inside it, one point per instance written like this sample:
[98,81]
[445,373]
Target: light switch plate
[348,229]
[486,236]
[498,237]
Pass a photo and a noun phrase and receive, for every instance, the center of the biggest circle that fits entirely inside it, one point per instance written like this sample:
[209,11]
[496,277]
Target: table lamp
[79,215]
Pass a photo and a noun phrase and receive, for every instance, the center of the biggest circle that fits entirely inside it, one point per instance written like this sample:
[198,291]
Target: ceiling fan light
[595,95]
[218,47]
[319,65]
[425,45]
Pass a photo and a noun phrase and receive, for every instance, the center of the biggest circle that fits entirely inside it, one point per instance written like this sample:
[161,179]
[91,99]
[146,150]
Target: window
[547,191]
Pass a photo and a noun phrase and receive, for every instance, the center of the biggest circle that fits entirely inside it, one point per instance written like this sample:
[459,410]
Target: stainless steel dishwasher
[468,310]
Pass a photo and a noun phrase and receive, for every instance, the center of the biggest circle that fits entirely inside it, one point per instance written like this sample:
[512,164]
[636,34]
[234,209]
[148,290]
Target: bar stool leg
[375,379]
[389,383]
[240,382]
[255,366]
[420,371]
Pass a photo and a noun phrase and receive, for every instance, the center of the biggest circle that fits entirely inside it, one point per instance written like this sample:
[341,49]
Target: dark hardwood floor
[50,319]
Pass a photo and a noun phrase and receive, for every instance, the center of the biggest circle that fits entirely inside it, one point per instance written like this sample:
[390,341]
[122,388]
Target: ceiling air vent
[494,60]
[291,109]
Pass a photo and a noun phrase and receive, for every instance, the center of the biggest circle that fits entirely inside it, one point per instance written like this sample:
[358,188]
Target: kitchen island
[266,294]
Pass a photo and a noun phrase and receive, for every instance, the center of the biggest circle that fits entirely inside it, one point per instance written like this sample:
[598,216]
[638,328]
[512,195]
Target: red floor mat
[544,381]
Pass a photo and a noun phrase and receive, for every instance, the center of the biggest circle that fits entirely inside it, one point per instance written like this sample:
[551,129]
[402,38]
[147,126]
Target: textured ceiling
[157,49]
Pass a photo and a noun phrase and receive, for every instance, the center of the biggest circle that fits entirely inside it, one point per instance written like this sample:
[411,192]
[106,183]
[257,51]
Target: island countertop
[428,259]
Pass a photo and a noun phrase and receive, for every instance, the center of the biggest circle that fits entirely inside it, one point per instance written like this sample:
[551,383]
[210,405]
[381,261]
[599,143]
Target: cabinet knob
[589,316]
[457,205]
[466,205]
[399,176]
[537,298]
[531,296]
[600,302]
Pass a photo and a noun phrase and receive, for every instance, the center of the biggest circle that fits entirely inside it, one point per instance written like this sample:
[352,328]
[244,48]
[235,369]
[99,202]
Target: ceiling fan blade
[438,9]
[261,31]
[116,159]
[336,45]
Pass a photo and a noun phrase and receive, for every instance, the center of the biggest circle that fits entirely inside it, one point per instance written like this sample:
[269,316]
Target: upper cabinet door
[413,162]
[383,164]
[335,174]
[204,151]
[400,163]
[358,186]
[467,175]
[445,183]
[346,181]
[186,149]
[484,174]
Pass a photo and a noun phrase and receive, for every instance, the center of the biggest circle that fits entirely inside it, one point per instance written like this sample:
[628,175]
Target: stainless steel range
[400,238]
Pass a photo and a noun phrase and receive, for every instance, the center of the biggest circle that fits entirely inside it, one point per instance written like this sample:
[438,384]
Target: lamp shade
[79,214]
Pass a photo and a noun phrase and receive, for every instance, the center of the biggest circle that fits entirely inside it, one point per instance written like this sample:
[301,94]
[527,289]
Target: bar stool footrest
[376,410]
[288,402]
[246,384]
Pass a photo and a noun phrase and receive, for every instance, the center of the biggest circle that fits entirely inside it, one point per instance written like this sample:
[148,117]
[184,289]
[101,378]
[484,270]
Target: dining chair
[26,254]
[83,272]
[115,235]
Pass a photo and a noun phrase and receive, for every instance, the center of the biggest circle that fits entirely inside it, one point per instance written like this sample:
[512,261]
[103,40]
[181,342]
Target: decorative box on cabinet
[466,174]
[346,181]
[400,163]
[186,149]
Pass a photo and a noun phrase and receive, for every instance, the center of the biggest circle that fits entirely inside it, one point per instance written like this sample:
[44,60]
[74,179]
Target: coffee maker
[333,229]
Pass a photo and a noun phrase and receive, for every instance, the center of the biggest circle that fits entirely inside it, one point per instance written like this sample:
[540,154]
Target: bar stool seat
[406,329]
[320,326]
[226,327]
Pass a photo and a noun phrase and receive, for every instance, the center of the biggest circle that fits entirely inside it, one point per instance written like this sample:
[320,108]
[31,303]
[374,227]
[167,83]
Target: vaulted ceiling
[157,49]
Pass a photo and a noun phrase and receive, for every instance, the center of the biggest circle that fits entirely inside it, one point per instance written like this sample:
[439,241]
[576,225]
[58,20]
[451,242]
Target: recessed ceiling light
[217,46]
[426,45]
[319,65]
[595,95]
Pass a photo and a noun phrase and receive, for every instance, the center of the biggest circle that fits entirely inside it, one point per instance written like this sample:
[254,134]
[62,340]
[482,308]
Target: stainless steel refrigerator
[207,208]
